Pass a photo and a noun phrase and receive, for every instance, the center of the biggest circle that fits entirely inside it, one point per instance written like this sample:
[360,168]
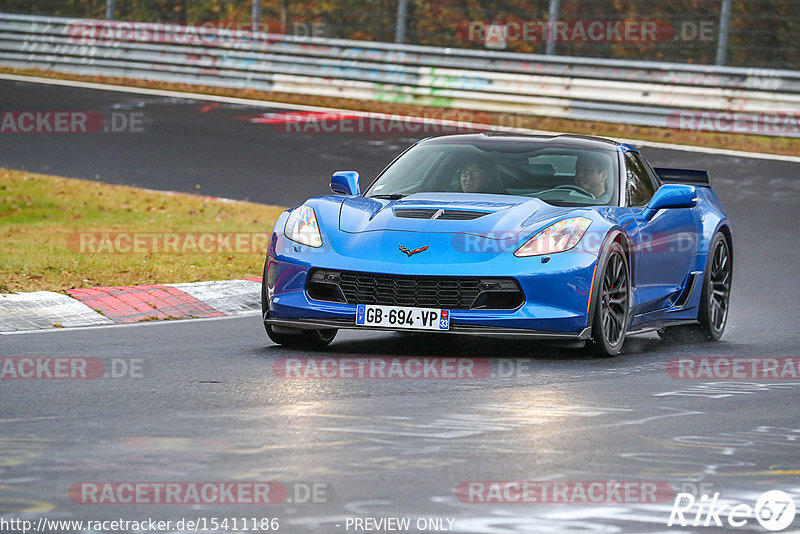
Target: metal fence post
[110,9]
[724,22]
[400,30]
[256,16]
[551,20]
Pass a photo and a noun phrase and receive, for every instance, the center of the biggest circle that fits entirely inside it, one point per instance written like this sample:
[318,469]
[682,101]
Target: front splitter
[314,324]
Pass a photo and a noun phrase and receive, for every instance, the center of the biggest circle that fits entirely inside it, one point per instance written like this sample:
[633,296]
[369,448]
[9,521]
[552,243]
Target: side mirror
[671,196]
[346,183]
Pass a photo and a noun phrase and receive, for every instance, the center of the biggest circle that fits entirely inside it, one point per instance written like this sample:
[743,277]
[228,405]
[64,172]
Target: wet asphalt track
[207,406]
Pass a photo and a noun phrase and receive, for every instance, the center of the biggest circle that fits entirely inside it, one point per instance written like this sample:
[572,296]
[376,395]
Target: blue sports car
[561,237]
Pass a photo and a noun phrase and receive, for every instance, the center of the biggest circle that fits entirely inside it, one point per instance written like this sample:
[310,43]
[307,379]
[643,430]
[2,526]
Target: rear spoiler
[683,176]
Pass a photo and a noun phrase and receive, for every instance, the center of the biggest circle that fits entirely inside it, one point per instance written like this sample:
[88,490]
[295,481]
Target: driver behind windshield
[592,172]
[479,175]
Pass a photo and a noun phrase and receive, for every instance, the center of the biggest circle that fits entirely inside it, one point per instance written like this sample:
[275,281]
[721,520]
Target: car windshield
[565,176]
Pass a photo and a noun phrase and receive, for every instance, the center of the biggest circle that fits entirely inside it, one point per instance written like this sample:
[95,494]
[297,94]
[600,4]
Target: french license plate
[402,317]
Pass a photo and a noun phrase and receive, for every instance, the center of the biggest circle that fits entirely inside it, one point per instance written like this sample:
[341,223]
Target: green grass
[42,216]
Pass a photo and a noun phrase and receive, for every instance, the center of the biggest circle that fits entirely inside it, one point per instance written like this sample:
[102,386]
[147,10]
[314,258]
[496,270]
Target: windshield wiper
[390,197]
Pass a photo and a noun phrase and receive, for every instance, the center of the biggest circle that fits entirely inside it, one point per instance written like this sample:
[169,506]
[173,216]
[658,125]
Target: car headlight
[302,227]
[558,237]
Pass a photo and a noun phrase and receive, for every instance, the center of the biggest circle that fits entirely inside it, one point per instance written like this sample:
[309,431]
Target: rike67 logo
[774,510]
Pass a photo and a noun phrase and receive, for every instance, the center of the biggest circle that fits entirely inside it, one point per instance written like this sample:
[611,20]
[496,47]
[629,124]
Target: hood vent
[441,214]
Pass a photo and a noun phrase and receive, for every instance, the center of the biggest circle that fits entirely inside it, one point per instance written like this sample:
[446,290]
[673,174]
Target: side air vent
[412,213]
[433,213]
[461,215]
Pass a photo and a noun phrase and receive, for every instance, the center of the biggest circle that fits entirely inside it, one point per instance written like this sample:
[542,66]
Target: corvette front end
[562,237]
[478,278]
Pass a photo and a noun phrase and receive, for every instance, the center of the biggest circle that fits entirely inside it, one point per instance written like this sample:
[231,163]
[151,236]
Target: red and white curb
[117,305]
[45,309]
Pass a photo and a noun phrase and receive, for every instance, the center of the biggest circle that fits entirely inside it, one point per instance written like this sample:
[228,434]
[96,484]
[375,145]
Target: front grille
[439,214]
[449,292]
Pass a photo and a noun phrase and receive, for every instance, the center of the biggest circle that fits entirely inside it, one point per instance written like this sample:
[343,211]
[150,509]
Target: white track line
[270,104]
[240,315]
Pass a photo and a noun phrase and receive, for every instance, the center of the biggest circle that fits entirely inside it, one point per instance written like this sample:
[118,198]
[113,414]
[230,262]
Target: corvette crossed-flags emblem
[411,252]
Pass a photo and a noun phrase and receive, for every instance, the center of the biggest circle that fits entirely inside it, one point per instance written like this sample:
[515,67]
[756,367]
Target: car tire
[612,304]
[303,339]
[712,315]
[264,303]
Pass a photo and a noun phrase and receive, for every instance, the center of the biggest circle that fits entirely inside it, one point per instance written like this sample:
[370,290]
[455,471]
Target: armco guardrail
[633,92]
